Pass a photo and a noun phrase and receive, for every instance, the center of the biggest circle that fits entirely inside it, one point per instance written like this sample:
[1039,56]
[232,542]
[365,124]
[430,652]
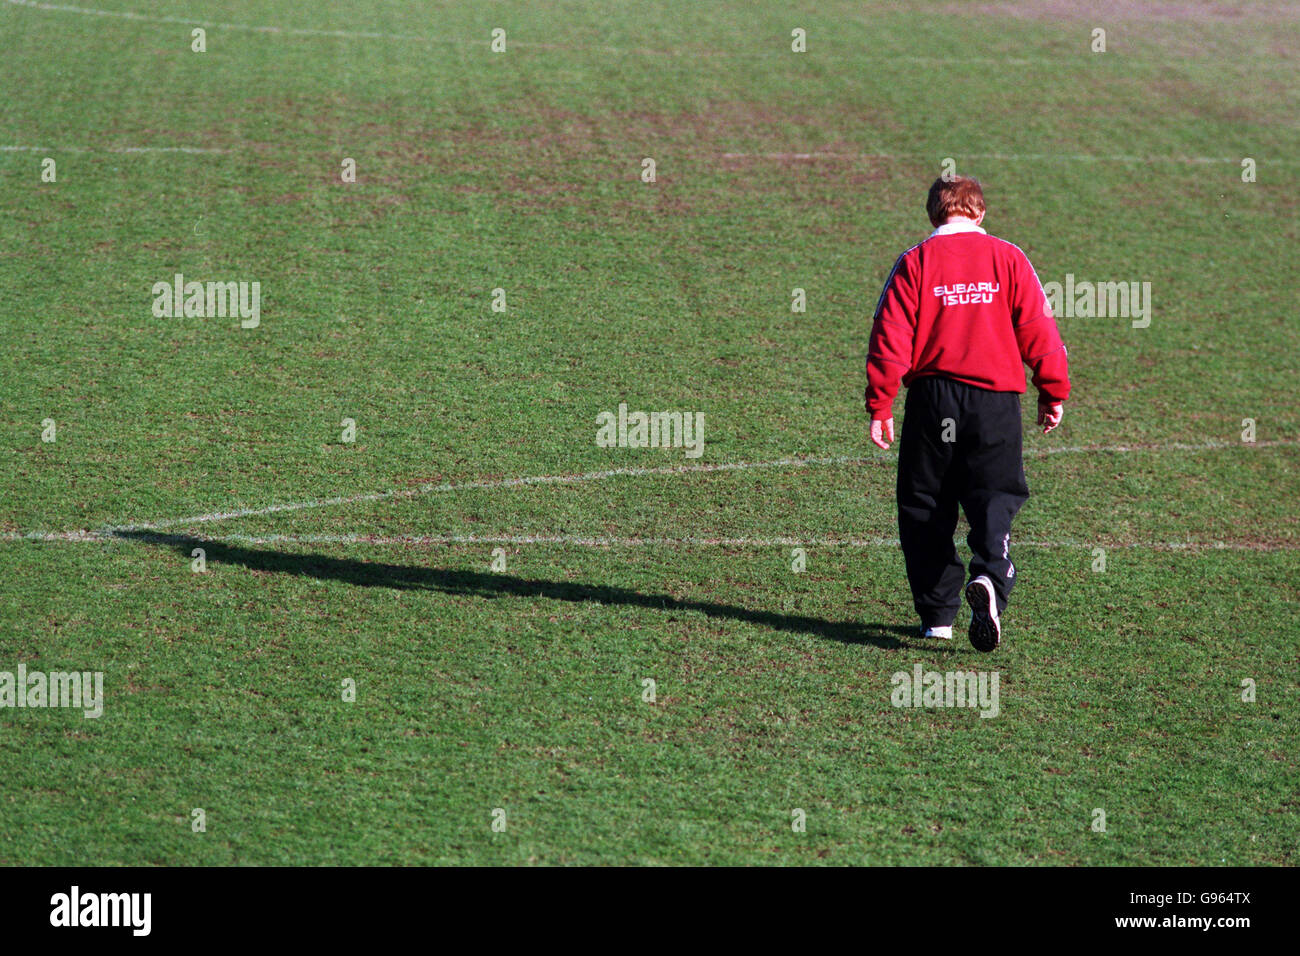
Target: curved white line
[633,473]
[489,484]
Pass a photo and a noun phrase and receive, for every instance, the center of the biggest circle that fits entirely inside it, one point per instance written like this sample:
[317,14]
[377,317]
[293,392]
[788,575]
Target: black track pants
[960,445]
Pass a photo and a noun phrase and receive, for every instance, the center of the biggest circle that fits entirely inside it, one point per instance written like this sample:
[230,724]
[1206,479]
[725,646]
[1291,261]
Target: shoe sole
[985,635]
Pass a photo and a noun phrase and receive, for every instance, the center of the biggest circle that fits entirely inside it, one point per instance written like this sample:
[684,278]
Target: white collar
[957,224]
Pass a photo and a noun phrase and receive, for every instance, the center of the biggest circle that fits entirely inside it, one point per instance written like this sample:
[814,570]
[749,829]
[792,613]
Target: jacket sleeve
[1037,336]
[889,354]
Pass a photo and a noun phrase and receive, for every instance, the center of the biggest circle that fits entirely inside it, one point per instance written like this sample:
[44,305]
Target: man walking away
[961,314]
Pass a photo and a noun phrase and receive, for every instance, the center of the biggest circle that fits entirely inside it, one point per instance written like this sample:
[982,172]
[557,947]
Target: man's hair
[959,196]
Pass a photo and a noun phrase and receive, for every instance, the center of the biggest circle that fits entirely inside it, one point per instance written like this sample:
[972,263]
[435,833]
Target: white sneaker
[942,633]
[985,627]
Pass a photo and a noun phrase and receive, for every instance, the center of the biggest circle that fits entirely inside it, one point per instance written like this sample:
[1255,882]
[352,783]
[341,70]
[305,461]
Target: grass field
[521,689]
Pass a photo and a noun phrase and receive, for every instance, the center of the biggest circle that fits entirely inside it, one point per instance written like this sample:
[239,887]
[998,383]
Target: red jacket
[967,306]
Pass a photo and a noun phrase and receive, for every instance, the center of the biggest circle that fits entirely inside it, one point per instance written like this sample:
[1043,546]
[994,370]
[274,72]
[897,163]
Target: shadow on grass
[488,585]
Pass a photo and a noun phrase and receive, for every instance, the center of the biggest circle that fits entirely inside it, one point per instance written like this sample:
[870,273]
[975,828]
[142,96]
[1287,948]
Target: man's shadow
[491,585]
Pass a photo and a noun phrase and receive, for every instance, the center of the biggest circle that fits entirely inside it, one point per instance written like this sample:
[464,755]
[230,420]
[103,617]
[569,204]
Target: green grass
[522,689]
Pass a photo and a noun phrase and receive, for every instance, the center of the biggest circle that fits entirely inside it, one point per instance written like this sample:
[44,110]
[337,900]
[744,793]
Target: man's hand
[1049,415]
[882,431]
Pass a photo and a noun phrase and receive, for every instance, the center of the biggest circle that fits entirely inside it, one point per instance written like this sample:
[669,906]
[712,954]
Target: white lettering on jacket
[967,293]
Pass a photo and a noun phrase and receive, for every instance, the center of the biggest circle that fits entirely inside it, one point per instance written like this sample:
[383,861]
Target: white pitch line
[603,541]
[376,35]
[608,541]
[684,52]
[86,536]
[490,484]
[1168,446]
[193,150]
[211,24]
[1008,157]
[692,52]
[425,489]
[894,157]
[432,488]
